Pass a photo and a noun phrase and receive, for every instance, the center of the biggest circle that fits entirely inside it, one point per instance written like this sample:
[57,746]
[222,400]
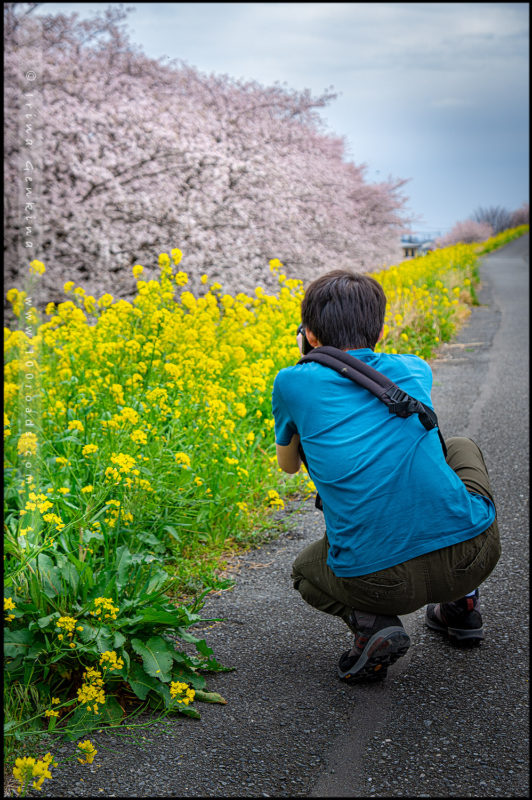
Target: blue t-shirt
[388,494]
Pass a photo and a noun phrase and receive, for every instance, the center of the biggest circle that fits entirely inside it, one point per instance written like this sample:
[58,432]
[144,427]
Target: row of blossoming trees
[133,154]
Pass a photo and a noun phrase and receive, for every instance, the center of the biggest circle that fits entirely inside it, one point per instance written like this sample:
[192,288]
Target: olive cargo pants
[440,576]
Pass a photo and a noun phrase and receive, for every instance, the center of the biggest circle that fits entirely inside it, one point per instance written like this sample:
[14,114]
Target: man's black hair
[344,309]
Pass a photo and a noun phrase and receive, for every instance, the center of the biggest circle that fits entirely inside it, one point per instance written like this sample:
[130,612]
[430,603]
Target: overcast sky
[433,92]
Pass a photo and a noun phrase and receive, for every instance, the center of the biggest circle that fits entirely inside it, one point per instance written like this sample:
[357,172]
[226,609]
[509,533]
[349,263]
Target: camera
[306,346]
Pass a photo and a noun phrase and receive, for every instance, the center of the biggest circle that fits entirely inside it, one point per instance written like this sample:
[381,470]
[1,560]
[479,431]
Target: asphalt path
[446,722]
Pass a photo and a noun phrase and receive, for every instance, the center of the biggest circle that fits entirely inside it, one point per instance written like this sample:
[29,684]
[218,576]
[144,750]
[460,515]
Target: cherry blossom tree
[521,216]
[139,156]
[466,231]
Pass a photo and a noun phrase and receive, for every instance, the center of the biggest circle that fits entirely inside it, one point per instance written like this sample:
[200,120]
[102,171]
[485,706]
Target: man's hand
[288,456]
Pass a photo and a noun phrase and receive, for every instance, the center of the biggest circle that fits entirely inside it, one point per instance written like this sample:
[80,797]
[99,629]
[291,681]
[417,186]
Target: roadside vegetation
[139,456]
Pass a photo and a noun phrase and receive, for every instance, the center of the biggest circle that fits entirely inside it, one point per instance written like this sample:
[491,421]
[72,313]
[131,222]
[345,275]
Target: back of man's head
[344,309]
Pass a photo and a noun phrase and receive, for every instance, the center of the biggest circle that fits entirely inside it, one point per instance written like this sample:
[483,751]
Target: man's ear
[313,342]
[381,334]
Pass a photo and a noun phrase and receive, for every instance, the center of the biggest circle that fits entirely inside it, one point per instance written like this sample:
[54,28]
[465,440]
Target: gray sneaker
[460,620]
[375,648]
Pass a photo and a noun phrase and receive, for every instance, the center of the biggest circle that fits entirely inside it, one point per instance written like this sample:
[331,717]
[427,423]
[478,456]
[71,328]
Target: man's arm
[288,456]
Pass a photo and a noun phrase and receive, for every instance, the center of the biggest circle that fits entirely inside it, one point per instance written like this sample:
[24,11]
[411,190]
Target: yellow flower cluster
[110,661]
[183,459]
[104,608]
[91,690]
[274,501]
[88,750]
[69,625]
[9,606]
[27,444]
[181,693]
[28,768]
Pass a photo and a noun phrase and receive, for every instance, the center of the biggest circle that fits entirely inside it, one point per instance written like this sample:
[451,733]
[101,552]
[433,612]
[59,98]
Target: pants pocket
[481,557]
[379,587]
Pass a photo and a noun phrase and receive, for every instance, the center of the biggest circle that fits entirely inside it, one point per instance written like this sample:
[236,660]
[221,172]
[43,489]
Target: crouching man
[406,525]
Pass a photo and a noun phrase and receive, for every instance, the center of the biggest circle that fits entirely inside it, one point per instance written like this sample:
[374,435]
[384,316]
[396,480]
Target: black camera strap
[398,402]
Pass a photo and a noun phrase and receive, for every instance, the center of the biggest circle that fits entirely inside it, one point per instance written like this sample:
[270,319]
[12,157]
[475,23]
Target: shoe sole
[457,634]
[382,650]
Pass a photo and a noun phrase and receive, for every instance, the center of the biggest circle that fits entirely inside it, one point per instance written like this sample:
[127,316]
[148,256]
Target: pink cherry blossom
[136,156]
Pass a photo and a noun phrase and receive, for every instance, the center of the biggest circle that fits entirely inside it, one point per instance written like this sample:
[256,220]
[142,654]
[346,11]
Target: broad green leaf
[12,666]
[123,565]
[51,583]
[209,697]
[104,639]
[9,725]
[201,647]
[101,635]
[186,636]
[43,622]
[172,531]
[36,650]
[81,723]
[188,711]
[119,640]
[17,643]
[164,690]
[160,617]
[89,632]
[141,683]
[185,675]
[156,656]
[111,712]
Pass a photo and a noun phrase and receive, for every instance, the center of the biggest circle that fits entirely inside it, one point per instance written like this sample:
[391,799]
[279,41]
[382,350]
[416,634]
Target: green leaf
[89,632]
[186,675]
[43,622]
[69,573]
[188,711]
[164,690]
[104,639]
[141,683]
[186,636]
[36,650]
[119,640]
[17,643]
[201,647]
[111,712]
[172,531]
[123,563]
[50,576]
[81,723]
[11,724]
[159,617]
[209,697]
[12,666]
[156,656]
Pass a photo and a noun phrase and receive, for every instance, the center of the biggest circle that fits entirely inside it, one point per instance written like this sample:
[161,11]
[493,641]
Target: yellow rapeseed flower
[177,255]
[88,750]
[27,768]
[182,459]
[75,425]
[37,267]
[27,444]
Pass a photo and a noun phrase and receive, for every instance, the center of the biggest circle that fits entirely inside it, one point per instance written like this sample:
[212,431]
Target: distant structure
[419,243]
